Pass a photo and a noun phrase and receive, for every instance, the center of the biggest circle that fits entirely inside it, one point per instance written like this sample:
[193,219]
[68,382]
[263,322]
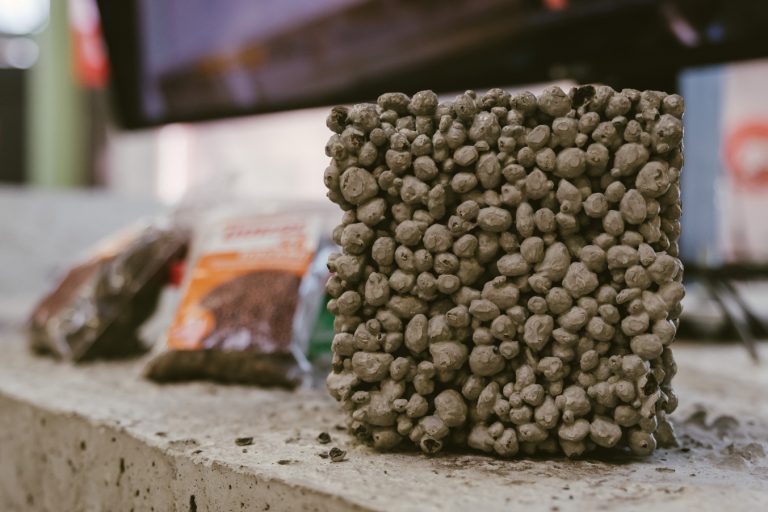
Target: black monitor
[182,60]
[187,60]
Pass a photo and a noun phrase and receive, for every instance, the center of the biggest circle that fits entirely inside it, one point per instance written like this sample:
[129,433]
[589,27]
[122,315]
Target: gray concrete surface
[99,437]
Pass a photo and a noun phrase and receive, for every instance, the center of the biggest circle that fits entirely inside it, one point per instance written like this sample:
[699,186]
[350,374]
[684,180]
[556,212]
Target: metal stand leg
[737,312]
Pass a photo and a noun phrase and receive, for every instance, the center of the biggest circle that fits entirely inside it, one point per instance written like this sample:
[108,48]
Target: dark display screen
[207,56]
[186,60]
[196,59]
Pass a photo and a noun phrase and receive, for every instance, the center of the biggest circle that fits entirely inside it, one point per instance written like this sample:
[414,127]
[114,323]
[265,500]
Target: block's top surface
[722,462]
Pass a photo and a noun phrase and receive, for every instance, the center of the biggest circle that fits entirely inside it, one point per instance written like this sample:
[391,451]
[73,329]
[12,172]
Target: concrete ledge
[98,437]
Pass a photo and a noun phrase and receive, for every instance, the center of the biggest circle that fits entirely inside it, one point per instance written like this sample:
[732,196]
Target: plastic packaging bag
[252,289]
[97,308]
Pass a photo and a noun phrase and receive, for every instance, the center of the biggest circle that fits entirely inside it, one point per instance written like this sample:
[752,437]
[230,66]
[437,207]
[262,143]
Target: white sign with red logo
[744,191]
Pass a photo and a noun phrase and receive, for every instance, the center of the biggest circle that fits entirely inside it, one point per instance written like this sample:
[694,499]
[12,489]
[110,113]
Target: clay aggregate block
[509,278]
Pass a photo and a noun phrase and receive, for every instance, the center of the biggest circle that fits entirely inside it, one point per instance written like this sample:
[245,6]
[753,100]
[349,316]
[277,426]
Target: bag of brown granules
[253,285]
[97,308]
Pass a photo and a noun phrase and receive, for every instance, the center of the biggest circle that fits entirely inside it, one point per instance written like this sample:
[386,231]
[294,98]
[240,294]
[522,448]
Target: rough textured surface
[509,278]
[100,438]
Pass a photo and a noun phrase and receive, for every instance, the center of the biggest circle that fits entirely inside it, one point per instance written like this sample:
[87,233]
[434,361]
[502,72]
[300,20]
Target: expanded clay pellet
[509,278]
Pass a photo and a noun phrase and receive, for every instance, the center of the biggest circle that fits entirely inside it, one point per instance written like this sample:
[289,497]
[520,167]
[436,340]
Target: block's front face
[509,277]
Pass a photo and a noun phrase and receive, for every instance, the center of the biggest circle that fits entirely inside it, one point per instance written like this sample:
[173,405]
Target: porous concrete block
[509,278]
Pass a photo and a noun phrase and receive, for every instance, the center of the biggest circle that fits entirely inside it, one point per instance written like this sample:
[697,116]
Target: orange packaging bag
[251,284]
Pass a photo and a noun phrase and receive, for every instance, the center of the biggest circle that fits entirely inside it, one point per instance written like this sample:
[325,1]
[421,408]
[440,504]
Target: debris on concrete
[337,454]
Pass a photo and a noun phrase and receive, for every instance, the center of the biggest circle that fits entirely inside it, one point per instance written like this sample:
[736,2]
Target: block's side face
[509,278]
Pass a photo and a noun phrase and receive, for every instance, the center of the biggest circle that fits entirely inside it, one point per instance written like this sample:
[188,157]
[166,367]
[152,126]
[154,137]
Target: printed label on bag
[242,290]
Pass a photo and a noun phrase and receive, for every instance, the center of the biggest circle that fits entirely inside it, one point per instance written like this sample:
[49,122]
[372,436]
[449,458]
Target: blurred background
[150,98]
